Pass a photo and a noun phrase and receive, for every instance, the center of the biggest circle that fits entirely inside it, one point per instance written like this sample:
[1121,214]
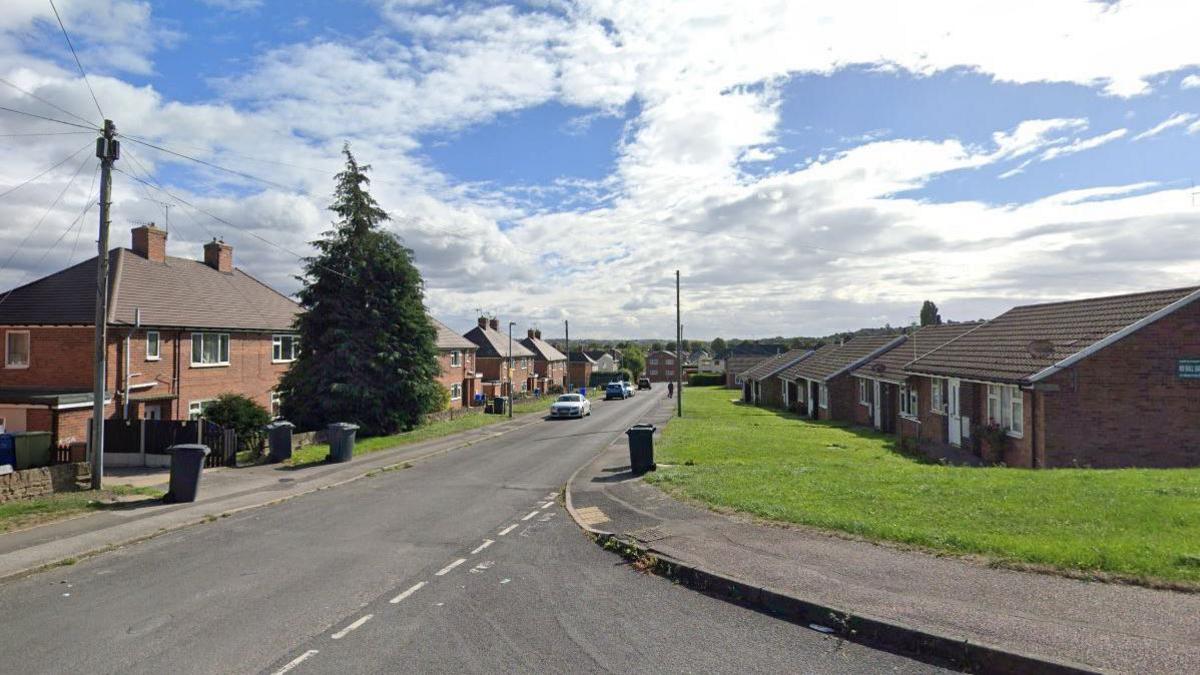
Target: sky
[807,167]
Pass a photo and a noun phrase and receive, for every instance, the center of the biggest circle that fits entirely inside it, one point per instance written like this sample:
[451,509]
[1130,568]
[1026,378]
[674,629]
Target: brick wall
[58,357]
[843,397]
[660,367]
[1126,405]
[770,392]
[555,372]
[492,369]
[861,414]
[457,374]
[45,480]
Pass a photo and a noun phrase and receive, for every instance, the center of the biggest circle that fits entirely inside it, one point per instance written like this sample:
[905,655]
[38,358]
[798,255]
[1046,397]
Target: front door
[876,408]
[954,412]
[814,396]
[152,412]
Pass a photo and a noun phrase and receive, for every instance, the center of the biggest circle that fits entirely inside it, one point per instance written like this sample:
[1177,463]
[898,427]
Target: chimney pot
[531,333]
[150,242]
[494,323]
[537,333]
[219,256]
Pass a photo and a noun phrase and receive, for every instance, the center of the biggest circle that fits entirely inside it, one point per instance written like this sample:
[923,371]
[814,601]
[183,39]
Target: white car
[571,405]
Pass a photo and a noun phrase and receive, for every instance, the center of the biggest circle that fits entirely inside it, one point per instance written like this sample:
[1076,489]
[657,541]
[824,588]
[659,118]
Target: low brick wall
[44,481]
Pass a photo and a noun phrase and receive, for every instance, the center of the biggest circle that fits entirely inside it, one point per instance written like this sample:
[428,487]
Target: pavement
[465,561]
[1015,621]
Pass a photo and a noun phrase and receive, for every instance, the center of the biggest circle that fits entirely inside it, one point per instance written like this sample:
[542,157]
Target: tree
[369,354]
[718,346]
[685,346]
[633,360]
[656,347]
[929,314]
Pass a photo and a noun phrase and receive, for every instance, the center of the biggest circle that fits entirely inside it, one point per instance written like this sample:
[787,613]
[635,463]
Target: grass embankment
[24,513]
[1138,524]
[314,454]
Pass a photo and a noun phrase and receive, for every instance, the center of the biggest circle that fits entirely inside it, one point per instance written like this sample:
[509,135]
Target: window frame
[938,397]
[9,365]
[910,402]
[199,405]
[453,387]
[455,358]
[157,342]
[277,347]
[823,396]
[221,338]
[1016,426]
[864,396]
[1010,403]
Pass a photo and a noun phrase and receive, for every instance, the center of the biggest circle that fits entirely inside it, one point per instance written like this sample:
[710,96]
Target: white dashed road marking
[546,504]
[486,543]
[552,495]
[447,568]
[297,661]
[345,631]
[506,530]
[416,587]
[531,514]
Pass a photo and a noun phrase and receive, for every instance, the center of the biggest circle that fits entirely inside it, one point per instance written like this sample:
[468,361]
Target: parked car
[616,390]
[629,388]
[643,383]
[571,405]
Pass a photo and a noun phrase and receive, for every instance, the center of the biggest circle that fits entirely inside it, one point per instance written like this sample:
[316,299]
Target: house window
[276,405]
[16,349]
[455,392]
[196,408]
[285,348]
[654,362]
[824,396]
[937,395]
[210,349]
[654,371]
[1006,407]
[864,392]
[909,401]
[455,358]
[153,345]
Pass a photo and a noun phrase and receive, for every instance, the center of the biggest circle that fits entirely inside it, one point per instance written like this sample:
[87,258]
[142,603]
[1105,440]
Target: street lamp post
[510,368]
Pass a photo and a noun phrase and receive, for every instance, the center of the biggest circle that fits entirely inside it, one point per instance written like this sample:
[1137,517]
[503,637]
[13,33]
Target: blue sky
[562,163]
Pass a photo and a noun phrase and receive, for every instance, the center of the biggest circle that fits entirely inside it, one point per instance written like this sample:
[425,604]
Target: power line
[71,258]
[78,220]
[49,119]
[45,213]
[49,103]
[208,164]
[81,71]
[45,133]
[29,180]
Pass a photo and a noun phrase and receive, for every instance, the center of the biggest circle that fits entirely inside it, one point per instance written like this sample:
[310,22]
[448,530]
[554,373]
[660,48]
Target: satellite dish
[1040,348]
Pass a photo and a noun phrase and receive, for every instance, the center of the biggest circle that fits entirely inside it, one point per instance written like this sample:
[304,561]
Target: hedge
[706,379]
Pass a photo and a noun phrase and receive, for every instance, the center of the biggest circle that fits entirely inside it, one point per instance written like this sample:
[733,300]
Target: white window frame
[1016,408]
[1010,402]
[864,395]
[277,347]
[153,338]
[823,401]
[8,364]
[456,358]
[221,338]
[910,402]
[196,408]
[455,392]
[276,405]
[937,397]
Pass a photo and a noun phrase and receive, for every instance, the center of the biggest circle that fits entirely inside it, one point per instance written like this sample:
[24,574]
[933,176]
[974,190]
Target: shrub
[706,379]
[246,417]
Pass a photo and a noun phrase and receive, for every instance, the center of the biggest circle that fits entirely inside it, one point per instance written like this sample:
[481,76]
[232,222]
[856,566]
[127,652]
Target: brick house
[888,398]
[549,364]
[604,362]
[822,383]
[761,386]
[1102,382]
[581,367]
[180,332]
[745,356]
[660,365]
[456,356]
[492,355]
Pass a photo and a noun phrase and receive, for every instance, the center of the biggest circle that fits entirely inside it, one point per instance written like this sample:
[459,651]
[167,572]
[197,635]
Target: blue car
[616,390]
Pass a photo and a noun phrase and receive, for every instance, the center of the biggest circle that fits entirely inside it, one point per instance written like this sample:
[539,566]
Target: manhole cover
[648,534]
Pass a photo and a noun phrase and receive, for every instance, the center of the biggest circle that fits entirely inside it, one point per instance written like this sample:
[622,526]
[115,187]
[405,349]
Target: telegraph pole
[678,352]
[567,329]
[108,149]
[510,369]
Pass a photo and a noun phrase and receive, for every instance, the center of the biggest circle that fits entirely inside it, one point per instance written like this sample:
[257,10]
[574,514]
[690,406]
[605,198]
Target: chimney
[219,256]
[483,322]
[531,333]
[537,333]
[150,242]
[494,323]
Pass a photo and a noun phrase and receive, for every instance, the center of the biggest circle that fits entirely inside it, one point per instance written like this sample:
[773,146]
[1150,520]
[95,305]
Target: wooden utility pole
[108,149]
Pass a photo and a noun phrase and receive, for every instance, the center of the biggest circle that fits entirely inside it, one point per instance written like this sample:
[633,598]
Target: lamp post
[510,368]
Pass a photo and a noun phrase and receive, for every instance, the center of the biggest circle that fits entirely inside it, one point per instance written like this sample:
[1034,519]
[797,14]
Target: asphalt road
[459,563]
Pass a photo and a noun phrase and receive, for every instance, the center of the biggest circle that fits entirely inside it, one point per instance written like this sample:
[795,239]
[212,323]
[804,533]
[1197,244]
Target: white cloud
[1190,82]
[1081,144]
[1178,119]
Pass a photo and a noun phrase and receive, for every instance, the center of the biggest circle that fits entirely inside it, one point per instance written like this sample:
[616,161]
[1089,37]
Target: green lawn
[314,454]
[23,513]
[1141,524]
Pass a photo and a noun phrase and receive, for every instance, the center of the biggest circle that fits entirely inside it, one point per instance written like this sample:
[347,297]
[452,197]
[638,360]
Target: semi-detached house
[1101,382]
[179,333]
[456,356]
[661,365]
[549,364]
[504,372]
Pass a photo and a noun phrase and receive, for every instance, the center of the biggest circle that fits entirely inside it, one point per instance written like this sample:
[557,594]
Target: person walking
[670,389]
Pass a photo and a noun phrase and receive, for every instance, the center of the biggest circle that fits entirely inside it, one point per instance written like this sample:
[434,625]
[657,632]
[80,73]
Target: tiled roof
[494,344]
[832,359]
[177,293]
[542,349]
[773,364]
[581,357]
[889,366]
[1016,345]
[447,338]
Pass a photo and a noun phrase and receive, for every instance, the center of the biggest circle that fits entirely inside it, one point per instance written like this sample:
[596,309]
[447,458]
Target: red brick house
[456,356]
[581,368]
[761,386]
[888,398]
[1103,382]
[180,332]
[822,383]
[492,356]
[660,366]
[549,364]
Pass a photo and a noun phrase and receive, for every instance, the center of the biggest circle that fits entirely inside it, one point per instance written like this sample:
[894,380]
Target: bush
[706,379]
[244,416]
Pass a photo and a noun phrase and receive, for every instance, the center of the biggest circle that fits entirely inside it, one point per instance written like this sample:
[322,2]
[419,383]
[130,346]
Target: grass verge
[1140,525]
[24,513]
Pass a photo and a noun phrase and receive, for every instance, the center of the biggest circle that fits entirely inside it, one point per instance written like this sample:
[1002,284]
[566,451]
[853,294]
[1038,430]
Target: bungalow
[888,398]
[761,386]
[660,366]
[180,332]
[580,367]
[1103,382]
[822,382]
[549,364]
[456,355]
[745,356]
[493,354]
